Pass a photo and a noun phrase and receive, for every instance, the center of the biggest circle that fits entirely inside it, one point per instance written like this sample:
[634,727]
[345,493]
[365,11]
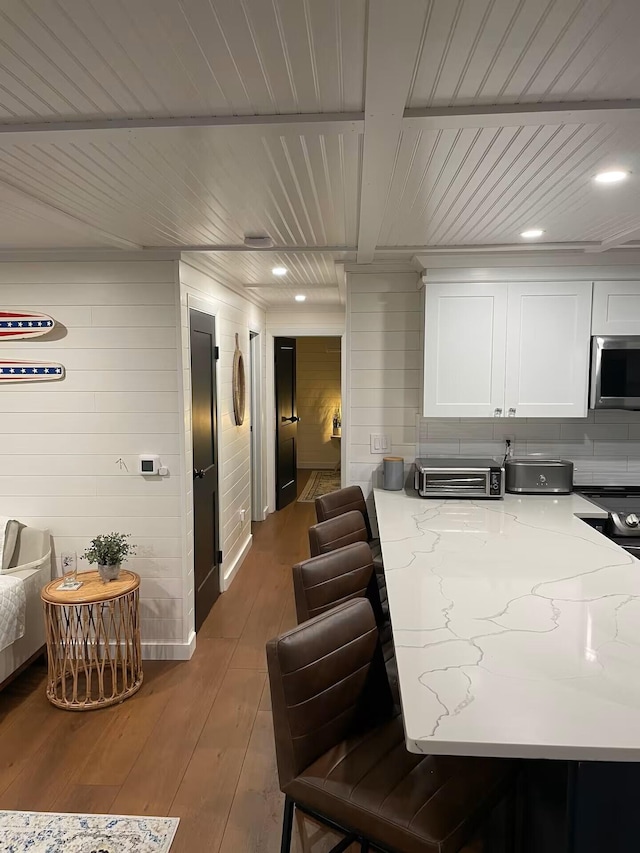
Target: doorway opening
[204,428]
[308,415]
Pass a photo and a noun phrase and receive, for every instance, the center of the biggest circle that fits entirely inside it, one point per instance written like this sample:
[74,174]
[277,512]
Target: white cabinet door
[464,350]
[616,308]
[548,337]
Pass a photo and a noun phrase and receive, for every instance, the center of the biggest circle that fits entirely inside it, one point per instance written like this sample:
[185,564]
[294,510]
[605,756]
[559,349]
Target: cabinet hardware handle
[497,413]
[512,412]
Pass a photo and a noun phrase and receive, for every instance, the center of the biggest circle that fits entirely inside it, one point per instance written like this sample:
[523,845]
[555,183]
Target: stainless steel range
[623,505]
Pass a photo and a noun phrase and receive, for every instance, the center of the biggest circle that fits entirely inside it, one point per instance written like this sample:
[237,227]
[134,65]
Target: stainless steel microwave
[615,372]
[438,477]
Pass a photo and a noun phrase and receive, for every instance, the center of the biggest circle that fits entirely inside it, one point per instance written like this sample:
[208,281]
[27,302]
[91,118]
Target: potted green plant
[108,551]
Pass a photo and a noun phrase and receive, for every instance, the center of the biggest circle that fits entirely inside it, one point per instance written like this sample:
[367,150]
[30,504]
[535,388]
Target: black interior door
[286,422]
[205,463]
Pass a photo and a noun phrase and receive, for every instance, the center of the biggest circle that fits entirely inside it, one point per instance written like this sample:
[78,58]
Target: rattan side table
[93,641]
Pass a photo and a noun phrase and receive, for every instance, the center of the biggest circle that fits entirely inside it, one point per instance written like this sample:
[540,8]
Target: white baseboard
[230,572]
[167,650]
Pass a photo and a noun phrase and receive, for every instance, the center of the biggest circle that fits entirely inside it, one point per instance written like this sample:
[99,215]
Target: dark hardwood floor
[196,742]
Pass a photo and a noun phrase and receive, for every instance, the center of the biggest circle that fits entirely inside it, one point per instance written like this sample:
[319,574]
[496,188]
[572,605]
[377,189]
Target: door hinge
[216,353]
[219,557]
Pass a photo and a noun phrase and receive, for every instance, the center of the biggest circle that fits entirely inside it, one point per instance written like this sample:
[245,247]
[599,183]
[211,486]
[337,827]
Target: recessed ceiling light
[300,297]
[279,270]
[612,177]
[532,233]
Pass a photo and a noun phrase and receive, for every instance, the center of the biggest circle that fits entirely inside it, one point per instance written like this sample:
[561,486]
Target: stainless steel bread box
[539,476]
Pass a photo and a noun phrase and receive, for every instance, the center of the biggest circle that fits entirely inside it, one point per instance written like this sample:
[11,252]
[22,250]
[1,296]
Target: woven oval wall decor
[239,391]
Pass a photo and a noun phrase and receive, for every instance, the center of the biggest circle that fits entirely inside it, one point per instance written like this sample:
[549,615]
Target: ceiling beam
[617,241]
[240,247]
[521,115]
[394,33]
[73,222]
[341,121]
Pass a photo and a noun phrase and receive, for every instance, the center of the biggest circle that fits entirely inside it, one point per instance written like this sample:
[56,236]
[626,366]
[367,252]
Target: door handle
[292,420]
[201,473]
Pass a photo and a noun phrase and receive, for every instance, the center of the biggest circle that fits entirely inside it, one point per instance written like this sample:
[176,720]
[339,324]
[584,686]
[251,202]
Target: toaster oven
[440,477]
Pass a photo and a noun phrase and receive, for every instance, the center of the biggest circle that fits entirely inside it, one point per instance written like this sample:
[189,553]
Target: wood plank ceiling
[344,129]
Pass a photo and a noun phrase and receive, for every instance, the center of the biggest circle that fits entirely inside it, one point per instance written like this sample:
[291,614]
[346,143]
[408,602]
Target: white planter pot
[109,573]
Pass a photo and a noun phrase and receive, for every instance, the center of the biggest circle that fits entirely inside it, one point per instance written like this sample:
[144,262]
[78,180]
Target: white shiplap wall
[233,314]
[60,442]
[384,345]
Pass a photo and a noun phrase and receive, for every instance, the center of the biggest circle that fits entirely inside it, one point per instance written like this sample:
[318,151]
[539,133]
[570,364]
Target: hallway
[196,742]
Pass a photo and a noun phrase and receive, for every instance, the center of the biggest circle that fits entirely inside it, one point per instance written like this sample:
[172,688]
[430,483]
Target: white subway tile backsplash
[596,432]
[447,430]
[559,449]
[521,430]
[615,416]
[629,449]
[439,448]
[493,449]
[611,465]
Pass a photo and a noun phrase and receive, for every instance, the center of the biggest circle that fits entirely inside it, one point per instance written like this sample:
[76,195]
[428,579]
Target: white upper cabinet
[548,344]
[464,353]
[616,308]
[507,349]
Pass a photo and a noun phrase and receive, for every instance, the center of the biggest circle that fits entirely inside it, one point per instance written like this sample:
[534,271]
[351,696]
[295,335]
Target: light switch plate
[379,443]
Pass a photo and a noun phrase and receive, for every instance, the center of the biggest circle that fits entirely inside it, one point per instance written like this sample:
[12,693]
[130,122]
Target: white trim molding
[228,574]
[165,650]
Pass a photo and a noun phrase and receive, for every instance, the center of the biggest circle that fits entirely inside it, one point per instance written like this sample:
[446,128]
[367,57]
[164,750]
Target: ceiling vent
[258,241]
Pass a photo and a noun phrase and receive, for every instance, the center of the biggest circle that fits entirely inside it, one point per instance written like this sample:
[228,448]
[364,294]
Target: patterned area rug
[47,832]
[320,483]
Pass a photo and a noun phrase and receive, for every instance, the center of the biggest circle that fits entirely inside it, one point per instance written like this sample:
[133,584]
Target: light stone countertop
[516,626]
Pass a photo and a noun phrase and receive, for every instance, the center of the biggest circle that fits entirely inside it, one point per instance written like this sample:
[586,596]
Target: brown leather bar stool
[337,532]
[345,500]
[341,530]
[341,753]
[327,580]
[333,578]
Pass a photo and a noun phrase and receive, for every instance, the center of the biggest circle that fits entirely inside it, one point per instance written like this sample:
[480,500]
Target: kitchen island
[517,634]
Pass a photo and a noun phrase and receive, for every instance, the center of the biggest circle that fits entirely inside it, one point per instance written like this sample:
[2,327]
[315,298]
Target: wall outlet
[243,515]
[68,561]
[379,443]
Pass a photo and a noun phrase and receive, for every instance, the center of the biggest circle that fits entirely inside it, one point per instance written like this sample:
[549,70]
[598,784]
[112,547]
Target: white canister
[393,473]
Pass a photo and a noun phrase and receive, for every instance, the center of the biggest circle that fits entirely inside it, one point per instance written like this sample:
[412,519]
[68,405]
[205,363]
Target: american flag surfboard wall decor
[18,325]
[19,370]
